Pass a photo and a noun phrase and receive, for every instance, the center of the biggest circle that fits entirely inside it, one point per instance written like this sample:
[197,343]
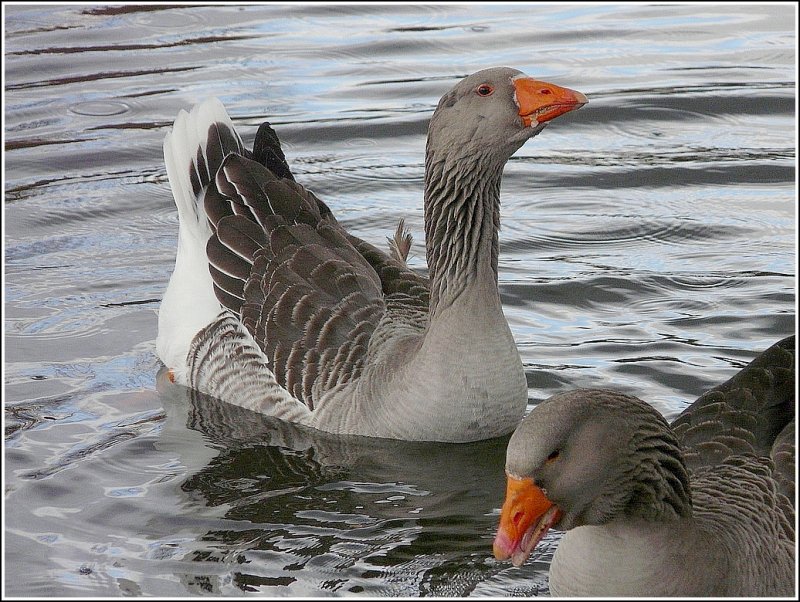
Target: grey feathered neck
[462,220]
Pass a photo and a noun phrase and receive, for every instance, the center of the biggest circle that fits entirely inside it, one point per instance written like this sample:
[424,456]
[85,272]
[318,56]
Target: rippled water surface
[648,244]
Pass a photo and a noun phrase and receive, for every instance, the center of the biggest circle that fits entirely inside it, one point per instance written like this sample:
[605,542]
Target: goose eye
[553,455]
[484,90]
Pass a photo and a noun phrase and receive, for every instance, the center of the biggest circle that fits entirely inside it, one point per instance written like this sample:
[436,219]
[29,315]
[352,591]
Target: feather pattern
[309,299]
[308,294]
[248,378]
[744,414]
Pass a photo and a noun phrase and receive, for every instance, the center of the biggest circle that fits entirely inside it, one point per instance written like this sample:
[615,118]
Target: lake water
[647,244]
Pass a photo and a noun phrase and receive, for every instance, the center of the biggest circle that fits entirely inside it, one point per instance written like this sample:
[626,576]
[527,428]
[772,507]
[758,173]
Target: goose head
[494,111]
[588,457]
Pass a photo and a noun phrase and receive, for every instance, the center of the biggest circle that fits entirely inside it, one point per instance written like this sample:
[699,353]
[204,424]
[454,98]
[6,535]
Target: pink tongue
[533,536]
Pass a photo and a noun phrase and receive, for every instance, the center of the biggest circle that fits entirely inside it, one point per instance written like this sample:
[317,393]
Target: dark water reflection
[648,244]
[363,515]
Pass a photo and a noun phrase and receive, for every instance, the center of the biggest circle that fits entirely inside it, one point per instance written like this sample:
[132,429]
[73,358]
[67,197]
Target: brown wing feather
[309,294]
[308,297]
[748,414]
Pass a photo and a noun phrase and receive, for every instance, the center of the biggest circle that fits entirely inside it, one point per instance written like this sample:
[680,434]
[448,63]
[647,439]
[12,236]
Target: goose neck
[462,221]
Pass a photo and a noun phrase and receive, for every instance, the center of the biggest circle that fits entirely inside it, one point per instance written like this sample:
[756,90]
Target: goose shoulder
[745,414]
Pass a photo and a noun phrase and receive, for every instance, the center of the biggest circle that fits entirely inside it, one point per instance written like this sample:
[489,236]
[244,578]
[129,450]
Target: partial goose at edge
[702,508]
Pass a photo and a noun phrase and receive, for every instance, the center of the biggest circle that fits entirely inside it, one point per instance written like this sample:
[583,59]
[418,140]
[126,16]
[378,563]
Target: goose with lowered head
[703,507]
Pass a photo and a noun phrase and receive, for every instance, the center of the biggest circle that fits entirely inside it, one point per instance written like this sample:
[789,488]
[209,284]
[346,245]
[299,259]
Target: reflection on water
[347,508]
[647,245]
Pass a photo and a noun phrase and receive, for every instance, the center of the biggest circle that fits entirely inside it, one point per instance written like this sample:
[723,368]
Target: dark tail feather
[267,151]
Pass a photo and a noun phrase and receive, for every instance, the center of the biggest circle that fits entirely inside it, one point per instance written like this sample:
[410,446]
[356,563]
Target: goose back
[748,414]
[310,295]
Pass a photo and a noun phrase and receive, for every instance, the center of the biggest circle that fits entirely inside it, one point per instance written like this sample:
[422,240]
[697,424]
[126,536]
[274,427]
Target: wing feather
[310,295]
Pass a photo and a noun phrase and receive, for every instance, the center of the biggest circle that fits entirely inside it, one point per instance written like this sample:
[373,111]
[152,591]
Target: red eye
[484,90]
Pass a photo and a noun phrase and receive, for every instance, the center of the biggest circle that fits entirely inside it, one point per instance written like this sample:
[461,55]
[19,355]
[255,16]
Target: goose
[275,307]
[698,508]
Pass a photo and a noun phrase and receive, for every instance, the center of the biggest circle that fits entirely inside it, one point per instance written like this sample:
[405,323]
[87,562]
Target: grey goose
[704,507]
[275,307]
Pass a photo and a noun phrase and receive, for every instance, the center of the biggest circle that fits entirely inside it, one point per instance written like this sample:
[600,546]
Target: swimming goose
[701,508]
[273,306]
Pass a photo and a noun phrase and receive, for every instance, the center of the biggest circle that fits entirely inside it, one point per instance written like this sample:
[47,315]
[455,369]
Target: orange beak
[526,516]
[540,101]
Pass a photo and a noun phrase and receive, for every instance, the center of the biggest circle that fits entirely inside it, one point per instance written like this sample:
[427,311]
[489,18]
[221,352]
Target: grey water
[648,244]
